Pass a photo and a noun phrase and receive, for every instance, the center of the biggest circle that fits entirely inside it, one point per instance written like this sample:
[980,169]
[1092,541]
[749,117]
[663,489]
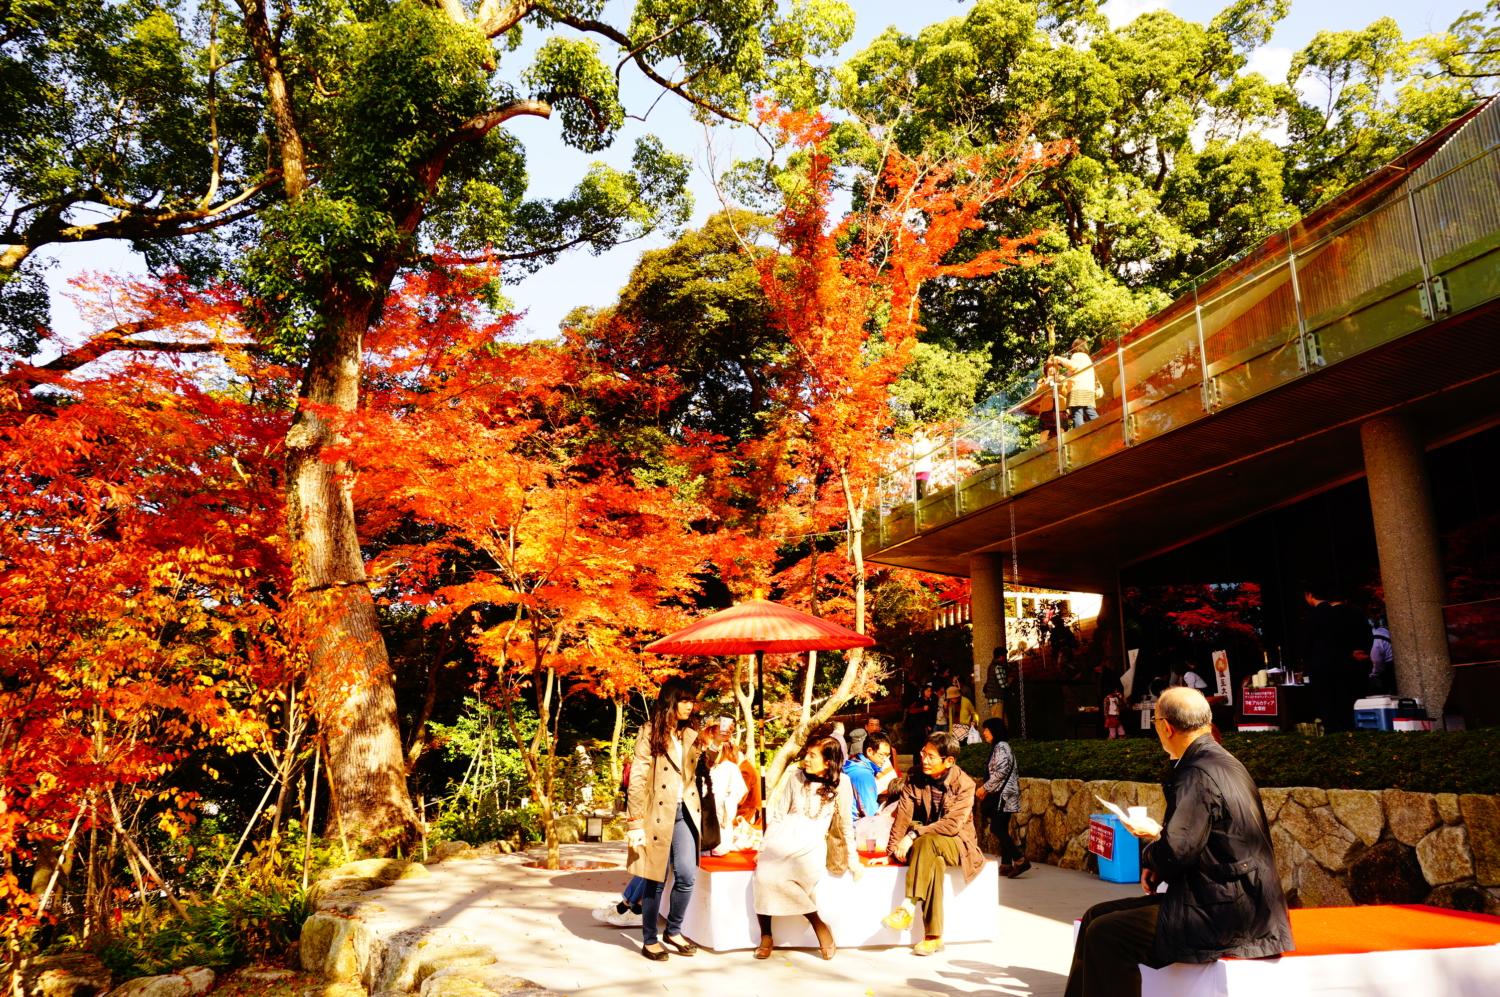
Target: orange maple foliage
[138,564]
[845,295]
[531,522]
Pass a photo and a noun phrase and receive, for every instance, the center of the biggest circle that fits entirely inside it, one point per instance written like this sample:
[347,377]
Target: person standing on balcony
[1083,385]
[921,460]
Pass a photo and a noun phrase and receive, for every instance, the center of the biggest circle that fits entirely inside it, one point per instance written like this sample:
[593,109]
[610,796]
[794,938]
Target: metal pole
[1124,391]
[1303,353]
[1204,390]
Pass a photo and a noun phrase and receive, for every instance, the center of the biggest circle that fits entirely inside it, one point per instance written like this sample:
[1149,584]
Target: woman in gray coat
[665,816]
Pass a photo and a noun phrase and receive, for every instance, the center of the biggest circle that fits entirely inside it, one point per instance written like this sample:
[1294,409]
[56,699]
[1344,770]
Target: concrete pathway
[539,924]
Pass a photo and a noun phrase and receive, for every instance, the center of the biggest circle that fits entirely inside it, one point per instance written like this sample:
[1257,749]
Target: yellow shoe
[898,919]
[927,946]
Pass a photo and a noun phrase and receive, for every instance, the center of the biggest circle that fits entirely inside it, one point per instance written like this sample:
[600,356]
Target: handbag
[961,731]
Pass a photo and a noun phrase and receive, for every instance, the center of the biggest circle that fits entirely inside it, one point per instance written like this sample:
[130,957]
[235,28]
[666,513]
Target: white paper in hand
[1140,824]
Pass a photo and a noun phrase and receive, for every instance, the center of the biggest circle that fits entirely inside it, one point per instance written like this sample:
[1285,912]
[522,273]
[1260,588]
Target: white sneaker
[602,914]
[629,919]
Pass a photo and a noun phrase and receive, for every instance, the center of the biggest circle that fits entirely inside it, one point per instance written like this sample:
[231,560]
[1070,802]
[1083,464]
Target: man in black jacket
[1214,853]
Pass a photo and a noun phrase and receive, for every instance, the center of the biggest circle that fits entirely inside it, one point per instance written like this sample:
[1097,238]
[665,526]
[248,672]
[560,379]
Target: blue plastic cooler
[1118,851]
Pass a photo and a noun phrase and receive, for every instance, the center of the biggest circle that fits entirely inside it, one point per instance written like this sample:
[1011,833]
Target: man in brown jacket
[934,829]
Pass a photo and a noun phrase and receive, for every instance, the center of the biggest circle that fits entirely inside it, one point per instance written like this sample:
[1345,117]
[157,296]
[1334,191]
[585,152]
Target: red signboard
[1102,839]
[1260,703]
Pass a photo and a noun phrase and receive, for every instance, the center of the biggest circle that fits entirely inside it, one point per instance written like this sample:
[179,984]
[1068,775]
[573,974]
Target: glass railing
[1296,303]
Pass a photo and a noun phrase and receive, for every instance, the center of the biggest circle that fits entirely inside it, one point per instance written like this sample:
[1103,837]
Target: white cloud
[1122,12]
[1270,61]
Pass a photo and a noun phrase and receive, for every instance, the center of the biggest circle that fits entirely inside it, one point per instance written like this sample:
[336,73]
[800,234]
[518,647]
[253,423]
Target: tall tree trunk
[350,673]
[854,663]
[616,734]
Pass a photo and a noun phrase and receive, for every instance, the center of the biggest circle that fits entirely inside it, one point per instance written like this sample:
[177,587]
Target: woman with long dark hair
[666,815]
[809,828]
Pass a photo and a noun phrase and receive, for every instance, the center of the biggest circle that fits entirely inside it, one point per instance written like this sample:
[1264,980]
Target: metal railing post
[958,508]
[1429,302]
[1205,390]
[1124,391]
[1303,347]
[1057,426]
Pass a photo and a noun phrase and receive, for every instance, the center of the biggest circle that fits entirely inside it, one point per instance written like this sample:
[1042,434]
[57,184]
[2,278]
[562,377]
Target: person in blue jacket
[863,773]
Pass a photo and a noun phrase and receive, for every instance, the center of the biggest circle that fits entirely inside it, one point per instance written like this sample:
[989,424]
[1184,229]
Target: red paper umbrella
[759,627]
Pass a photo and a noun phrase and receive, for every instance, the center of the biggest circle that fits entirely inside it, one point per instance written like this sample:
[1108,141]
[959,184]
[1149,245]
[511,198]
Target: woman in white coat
[809,826]
[666,815]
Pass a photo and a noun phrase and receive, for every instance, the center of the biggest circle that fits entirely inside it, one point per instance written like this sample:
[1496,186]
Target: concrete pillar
[1411,565]
[987,613]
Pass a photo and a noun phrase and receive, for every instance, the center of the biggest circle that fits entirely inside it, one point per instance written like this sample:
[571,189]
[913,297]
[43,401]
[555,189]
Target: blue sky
[583,279]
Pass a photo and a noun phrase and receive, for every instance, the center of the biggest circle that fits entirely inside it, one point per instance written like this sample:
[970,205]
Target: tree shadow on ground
[972,978]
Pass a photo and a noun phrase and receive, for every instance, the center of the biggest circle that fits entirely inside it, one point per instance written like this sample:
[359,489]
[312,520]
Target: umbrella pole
[760,686]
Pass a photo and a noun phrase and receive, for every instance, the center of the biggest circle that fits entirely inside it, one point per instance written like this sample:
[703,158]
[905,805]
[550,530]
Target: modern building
[1326,406]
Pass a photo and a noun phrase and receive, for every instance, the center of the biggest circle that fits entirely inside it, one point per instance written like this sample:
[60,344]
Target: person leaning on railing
[1082,386]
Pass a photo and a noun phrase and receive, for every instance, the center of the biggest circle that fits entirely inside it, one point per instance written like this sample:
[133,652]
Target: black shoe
[654,956]
[679,945]
[1017,870]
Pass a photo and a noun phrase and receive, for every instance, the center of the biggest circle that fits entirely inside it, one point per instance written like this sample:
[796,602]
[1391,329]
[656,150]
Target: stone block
[1409,815]
[200,978]
[615,830]
[1076,855]
[1320,833]
[473,982]
[1080,808]
[1273,800]
[1318,888]
[1036,796]
[68,974]
[1310,797]
[1445,857]
[571,825]
[1360,811]
[1469,897]
[384,870]
[1387,874]
[1481,816]
[168,985]
[1448,807]
[1063,790]
[1289,857]
[448,849]
[328,946]
[1150,796]
[1055,830]
[340,893]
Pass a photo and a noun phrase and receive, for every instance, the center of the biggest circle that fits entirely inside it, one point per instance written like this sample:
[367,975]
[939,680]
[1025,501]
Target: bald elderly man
[1223,896]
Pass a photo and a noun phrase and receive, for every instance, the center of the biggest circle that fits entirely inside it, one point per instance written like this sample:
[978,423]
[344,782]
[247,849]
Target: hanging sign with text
[1221,677]
[1102,839]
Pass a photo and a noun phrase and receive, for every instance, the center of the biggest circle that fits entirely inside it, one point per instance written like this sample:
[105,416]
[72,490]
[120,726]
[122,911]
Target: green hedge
[1447,762]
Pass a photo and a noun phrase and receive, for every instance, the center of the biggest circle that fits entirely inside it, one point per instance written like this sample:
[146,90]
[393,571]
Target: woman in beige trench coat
[665,816]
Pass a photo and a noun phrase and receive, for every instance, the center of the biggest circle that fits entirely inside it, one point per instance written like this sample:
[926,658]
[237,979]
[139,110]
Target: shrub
[468,819]
[1438,762]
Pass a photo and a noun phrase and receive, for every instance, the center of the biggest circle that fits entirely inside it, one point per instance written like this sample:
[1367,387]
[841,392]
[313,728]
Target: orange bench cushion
[1347,930]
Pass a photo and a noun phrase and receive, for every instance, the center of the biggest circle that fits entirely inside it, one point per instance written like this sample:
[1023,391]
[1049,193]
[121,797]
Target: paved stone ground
[538,923]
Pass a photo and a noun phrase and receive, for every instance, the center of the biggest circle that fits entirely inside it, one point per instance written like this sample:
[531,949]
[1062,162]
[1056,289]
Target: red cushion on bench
[733,862]
[1396,927]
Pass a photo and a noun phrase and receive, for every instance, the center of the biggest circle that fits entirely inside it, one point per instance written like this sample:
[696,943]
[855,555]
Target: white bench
[1399,951]
[721,915]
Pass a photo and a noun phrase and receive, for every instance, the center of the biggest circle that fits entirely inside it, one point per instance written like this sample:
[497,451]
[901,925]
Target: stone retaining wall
[1334,847]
